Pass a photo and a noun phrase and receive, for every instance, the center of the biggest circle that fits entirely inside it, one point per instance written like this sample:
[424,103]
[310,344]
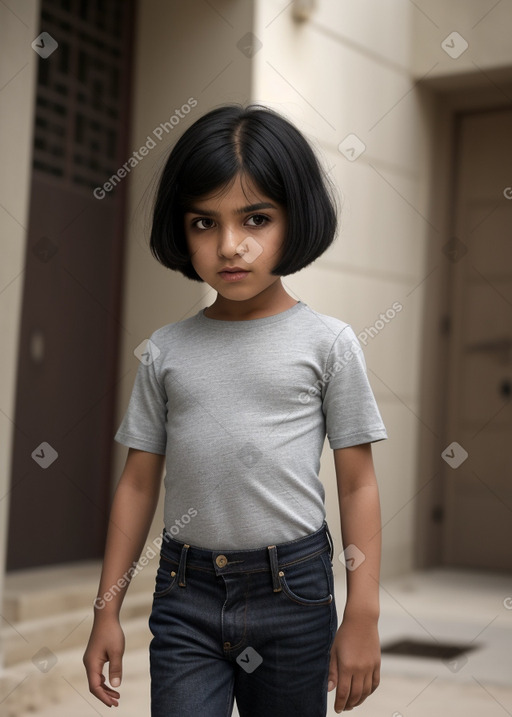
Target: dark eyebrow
[242,210]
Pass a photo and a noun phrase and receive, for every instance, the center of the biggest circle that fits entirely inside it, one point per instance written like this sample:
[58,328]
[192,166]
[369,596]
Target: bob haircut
[253,142]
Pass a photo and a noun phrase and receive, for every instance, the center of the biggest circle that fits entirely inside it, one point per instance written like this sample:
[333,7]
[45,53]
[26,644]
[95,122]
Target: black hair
[260,144]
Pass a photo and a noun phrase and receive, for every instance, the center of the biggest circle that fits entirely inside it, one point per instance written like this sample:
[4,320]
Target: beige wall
[18,69]
[484,26]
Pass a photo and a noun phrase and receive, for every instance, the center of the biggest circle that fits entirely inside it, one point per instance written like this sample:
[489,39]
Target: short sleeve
[144,422]
[351,413]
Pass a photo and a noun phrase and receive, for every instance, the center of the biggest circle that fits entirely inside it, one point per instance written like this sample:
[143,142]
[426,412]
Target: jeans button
[221,561]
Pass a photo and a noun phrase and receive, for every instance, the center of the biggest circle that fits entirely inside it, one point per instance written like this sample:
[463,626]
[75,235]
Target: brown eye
[195,223]
[262,217]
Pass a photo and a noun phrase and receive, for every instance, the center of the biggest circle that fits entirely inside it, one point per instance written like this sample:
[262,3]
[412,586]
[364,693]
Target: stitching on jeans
[308,601]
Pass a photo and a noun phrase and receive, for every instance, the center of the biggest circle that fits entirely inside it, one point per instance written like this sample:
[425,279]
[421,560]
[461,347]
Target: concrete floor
[471,608]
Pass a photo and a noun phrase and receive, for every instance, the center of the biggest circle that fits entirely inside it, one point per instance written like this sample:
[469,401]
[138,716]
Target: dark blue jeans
[252,625]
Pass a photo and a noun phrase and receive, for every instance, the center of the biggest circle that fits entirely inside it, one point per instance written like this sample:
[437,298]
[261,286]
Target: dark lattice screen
[66,391]
[79,91]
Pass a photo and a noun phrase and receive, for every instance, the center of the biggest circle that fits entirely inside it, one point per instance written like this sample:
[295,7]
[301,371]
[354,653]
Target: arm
[355,654]
[132,512]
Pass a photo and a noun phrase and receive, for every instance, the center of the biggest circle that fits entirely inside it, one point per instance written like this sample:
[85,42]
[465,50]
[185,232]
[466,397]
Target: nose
[229,241]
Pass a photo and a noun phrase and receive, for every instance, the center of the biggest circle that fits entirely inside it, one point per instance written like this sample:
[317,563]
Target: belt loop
[331,543]
[183,562]
[276,583]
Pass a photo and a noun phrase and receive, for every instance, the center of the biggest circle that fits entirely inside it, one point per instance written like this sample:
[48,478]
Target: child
[239,398]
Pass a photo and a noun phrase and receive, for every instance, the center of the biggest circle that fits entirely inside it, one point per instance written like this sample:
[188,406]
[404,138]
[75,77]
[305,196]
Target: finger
[332,680]
[356,691]
[108,689]
[106,694]
[115,669]
[375,679]
[94,669]
[366,689]
[97,686]
[342,693]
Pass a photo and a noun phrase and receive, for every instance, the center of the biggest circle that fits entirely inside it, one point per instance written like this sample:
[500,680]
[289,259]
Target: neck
[272,300]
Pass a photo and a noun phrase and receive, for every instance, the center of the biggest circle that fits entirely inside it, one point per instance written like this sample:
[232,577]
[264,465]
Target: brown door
[66,386]
[477,465]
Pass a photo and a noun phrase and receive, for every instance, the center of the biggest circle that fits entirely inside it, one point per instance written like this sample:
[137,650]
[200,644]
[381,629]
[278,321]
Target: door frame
[446,97]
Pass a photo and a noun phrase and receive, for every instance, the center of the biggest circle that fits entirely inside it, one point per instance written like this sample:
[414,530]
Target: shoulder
[326,327]
[173,332]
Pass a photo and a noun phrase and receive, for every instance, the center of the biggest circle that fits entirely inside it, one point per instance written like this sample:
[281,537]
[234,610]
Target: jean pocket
[308,582]
[166,579]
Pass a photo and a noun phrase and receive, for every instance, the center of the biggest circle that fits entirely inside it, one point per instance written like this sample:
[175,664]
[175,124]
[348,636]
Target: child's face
[220,235]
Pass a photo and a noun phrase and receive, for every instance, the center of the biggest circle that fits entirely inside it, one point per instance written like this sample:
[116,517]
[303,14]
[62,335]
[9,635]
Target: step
[22,640]
[56,589]
[27,687]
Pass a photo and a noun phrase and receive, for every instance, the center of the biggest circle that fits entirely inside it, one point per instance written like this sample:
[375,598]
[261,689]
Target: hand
[106,644]
[355,662]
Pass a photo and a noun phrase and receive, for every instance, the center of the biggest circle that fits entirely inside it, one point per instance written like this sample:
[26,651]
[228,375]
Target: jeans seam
[305,602]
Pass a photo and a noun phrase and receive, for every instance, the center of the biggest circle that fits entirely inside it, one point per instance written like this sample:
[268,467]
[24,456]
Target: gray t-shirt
[241,410]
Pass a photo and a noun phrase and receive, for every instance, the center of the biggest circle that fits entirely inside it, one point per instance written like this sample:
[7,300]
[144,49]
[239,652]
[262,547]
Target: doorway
[476,465]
